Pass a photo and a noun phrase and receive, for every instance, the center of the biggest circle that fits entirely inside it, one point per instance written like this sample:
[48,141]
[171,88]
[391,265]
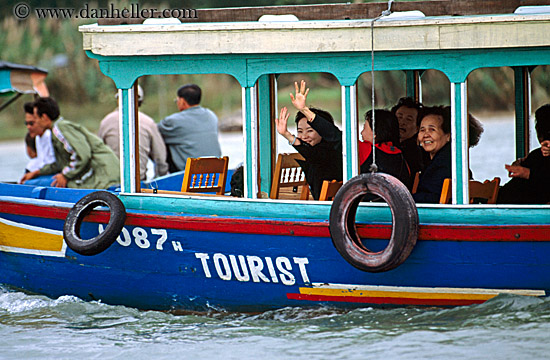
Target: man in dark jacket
[530,182]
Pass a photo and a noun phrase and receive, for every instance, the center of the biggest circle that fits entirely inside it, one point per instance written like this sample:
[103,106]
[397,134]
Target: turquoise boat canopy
[22,79]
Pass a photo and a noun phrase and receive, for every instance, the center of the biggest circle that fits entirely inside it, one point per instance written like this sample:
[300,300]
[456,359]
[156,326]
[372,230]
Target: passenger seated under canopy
[530,183]
[407,111]
[389,158]
[318,140]
[434,137]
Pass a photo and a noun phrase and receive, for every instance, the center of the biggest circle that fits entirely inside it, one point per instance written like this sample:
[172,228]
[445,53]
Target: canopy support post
[7,103]
[127,126]
[267,112]
[459,143]
[250,137]
[135,121]
[350,156]
[414,84]
[522,89]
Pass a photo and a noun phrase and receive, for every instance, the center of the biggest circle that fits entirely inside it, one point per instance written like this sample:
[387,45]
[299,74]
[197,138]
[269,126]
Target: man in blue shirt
[192,132]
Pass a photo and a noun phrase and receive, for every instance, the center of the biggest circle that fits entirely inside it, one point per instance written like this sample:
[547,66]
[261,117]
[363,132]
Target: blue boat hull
[250,264]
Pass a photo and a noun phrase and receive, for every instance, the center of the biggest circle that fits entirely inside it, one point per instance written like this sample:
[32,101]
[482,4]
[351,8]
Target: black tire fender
[343,230]
[100,243]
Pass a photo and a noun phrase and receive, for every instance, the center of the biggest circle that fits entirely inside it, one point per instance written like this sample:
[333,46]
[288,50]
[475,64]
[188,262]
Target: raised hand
[281,122]
[299,101]
[282,128]
[545,147]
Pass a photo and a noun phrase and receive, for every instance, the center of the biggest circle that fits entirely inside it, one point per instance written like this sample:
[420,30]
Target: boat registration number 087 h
[140,237]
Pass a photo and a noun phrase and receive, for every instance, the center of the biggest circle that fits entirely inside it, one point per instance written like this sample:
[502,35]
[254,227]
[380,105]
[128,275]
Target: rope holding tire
[404,222]
[100,243]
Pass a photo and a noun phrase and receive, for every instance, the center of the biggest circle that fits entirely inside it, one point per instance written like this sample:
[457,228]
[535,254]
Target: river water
[506,327]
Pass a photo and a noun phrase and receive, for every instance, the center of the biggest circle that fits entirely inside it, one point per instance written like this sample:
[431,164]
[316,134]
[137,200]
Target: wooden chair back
[329,190]
[486,191]
[205,175]
[480,192]
[446,192]
[415,183]
[287,177]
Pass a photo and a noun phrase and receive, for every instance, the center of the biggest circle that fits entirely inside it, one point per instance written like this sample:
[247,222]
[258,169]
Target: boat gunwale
[328,202]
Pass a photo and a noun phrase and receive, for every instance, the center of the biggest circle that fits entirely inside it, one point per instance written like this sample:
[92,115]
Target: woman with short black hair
[318,140]
[434,136]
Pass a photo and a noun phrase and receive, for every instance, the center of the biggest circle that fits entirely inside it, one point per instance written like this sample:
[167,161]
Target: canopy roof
[326,36]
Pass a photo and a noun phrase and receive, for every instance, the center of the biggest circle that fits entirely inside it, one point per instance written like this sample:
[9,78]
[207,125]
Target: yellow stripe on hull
[28,239]
[412,292]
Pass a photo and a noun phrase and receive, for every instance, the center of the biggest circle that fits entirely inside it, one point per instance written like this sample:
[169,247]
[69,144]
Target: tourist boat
[17,80]
[177,251]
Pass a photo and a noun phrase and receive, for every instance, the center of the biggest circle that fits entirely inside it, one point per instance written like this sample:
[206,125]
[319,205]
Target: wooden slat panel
[348,11]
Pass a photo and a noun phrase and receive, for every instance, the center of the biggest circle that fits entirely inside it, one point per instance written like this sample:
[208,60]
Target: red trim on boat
[293,228]
[383,300]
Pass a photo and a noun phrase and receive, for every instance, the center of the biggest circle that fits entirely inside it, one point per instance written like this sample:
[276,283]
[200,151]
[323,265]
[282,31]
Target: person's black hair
[443,111]
[542,122]
[475,129]
[29,107]
[324,114]
[387,126]
[48,106]
[29,141]
[237,182]
[191,93]
[407,102]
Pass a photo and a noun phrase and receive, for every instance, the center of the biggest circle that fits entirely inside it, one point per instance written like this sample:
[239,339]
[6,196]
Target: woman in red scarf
[389,158]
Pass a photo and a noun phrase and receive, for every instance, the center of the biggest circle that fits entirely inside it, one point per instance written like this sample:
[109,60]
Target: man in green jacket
[82,160]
